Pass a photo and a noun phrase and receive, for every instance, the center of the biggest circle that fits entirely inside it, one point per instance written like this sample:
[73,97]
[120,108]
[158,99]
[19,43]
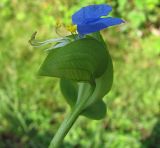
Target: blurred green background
[32,107]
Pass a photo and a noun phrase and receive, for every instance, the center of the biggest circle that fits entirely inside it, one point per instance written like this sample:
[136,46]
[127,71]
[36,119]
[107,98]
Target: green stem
[68,122]
[64,128]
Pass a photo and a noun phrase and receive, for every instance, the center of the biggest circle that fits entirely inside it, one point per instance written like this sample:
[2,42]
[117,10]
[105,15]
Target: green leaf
[96,111]
[69,90]
[81,60]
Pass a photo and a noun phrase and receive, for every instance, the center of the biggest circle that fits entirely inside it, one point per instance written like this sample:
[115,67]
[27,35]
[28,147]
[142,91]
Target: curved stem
[64,128]
[68,122]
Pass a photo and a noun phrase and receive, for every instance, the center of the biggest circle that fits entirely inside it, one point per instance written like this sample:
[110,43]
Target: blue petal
[90,13]
[98,25]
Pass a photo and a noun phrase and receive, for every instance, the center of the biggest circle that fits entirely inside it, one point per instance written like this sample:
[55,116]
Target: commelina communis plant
[83,64]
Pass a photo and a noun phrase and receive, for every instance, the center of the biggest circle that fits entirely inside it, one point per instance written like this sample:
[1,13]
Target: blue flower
[92,18]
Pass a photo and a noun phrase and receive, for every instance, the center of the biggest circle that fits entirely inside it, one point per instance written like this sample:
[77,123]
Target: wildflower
[93,18]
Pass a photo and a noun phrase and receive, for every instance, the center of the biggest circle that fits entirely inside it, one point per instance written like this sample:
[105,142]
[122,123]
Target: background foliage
[32,108]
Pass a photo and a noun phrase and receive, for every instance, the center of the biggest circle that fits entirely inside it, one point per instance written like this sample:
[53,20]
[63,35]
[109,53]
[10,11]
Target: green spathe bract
[81,60]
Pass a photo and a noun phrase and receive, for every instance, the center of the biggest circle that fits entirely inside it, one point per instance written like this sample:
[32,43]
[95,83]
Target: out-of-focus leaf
[136,18]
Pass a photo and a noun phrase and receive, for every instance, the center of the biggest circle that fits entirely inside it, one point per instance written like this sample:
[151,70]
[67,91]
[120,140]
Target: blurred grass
[32,108]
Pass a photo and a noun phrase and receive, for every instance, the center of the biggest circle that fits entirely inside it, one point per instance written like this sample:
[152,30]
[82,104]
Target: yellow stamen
[72,28]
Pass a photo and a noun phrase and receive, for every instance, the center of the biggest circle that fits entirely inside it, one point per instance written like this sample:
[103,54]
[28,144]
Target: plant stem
[64,128]
[69,121]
